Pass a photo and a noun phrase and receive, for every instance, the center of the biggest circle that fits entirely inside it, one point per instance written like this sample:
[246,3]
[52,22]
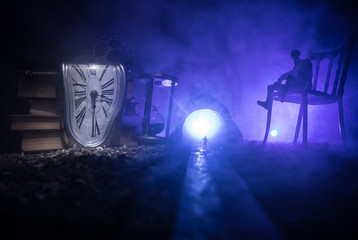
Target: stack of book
[35,114]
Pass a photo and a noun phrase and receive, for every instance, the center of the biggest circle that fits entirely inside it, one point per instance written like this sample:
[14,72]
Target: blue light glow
[201,123]
[274,133]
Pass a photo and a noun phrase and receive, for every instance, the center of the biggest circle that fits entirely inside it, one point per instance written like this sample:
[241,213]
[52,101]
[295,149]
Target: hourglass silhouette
[153,121]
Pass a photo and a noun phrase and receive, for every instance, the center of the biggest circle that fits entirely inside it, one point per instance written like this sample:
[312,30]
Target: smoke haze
[229,49]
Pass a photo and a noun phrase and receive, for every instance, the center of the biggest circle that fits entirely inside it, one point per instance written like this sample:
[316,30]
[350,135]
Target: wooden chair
[338,61]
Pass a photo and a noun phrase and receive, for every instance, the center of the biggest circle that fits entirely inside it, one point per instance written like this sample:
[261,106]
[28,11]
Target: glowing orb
[274,133]
[201,123]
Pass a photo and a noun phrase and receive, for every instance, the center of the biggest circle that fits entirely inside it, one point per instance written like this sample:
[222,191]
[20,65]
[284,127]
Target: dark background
[230,49]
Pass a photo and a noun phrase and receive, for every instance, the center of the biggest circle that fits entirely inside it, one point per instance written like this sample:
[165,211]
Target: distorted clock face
[94,95]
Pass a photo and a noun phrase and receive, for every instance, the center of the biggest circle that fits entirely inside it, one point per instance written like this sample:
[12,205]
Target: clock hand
[95,129]
[93,95]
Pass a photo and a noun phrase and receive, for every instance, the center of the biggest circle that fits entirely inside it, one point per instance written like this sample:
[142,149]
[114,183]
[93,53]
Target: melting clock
[94,96]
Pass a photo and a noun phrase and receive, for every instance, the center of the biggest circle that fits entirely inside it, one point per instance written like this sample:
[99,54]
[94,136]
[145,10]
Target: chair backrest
[332,66]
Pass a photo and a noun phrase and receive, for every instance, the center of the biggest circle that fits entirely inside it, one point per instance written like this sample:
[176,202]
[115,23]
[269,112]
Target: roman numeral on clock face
[107,84]
[104,71]
[107,100]
[92,70]
[104,111]
[78,84]
[80,73]
[95,128]
[78,101]
[80,93]
[108,92]
[80,117]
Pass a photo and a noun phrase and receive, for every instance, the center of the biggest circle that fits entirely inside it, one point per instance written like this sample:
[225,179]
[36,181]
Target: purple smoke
[229,49]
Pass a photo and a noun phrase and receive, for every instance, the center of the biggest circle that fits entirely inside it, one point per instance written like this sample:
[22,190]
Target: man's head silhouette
[295,53]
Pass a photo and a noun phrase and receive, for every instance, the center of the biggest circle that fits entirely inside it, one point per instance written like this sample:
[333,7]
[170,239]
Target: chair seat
[313,97]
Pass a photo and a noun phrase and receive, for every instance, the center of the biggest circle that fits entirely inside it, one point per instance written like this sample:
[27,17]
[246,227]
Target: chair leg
[268,121]
[342,126]
[298,126]
[305,117]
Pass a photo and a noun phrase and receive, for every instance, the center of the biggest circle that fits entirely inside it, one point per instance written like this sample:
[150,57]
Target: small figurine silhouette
[297,80]
[205,144]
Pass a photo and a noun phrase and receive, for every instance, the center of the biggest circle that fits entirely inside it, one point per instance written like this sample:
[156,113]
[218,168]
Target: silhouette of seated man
[296,80]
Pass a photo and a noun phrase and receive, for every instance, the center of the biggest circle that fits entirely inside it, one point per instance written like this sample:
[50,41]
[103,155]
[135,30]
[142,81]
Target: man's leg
[293,85]
[269,97]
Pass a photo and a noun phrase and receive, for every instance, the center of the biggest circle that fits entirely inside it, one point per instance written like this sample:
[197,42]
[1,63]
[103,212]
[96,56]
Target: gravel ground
[81,193]
[133,191]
